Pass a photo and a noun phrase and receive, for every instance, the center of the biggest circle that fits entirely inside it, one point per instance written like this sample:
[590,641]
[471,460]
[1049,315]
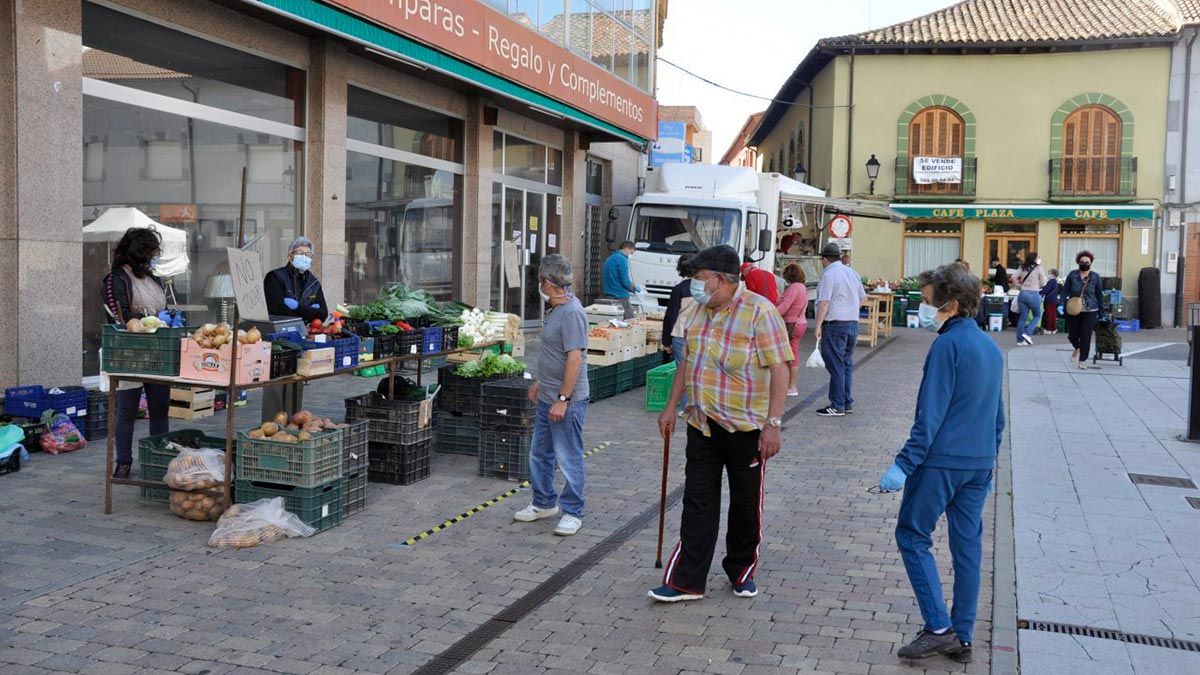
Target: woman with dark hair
[1031,277]
[1084,293]
[793,306]
[946,464]
[131,291]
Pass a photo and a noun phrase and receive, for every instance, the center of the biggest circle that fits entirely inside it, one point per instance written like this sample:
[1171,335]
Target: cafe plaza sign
[472,31]
[1027,212]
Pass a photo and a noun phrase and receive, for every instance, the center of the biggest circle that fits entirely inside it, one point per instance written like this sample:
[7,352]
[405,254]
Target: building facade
[1180,261]
[696,135]
[740,153]
[446,145]
[995,135]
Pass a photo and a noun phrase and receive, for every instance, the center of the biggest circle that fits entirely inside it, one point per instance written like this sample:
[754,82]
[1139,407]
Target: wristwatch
[774,422]
[564,399]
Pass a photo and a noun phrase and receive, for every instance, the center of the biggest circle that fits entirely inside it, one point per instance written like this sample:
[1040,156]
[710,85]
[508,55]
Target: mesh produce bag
[195,469]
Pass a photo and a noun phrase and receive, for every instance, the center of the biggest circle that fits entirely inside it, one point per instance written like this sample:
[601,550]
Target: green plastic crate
[304,464]
[603,382]
[154,353]
[154,456]
[320,507]
[658,387]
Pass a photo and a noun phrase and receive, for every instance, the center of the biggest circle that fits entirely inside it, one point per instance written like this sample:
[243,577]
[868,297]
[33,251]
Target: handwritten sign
[246,270]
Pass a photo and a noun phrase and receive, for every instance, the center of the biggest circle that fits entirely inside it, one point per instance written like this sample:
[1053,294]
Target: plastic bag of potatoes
[196,469]
[260,522]
[198,505]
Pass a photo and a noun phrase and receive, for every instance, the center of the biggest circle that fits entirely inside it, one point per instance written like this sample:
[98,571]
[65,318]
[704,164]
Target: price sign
[246,270]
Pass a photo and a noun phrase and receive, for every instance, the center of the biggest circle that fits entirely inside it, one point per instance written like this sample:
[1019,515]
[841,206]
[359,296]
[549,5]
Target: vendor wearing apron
[131,291]
[292,290]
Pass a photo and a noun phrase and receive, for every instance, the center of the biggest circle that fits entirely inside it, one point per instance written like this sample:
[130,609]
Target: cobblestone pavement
[1094,549]
[139,591]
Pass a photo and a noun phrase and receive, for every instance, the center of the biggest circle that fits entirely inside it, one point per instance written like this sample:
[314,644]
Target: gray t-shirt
[565,330]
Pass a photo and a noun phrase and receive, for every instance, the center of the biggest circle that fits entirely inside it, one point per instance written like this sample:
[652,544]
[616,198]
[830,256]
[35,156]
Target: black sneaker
[964,654]
[830,411]
[849,411]
[929,644]
[122,471]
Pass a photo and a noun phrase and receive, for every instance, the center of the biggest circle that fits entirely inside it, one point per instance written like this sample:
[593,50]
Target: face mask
[154,262]
[699,293]
[1085,266]
[301,262]
[1037,262]
[927,317]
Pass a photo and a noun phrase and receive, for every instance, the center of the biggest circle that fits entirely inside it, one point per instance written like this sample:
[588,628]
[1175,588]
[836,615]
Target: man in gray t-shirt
[560,398]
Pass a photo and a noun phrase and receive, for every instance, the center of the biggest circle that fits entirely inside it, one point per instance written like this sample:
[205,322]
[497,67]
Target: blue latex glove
[1060,310]
[315,306]
[894,479]
[291,303]
[177,322]
[165,317]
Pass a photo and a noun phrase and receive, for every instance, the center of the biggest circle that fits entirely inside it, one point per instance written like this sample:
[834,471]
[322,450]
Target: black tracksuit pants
[735,453]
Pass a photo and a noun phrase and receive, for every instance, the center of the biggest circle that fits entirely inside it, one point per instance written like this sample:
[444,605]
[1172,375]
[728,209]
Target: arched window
[791,165]
[935,131]
[1091,151]
[782,166]
[771,166]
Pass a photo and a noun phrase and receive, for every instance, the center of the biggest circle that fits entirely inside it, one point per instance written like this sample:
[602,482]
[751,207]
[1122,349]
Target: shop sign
[177,213]
[930,170]
[671,146]
[472,31]
[1027,212]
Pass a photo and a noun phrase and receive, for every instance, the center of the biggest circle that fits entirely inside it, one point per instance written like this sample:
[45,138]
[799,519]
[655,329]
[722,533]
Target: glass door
[535,244]
[521,252]
[1010,249]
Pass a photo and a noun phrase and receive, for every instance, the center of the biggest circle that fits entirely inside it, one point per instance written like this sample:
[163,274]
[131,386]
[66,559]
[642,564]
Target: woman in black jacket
[1086,284]
[131,291]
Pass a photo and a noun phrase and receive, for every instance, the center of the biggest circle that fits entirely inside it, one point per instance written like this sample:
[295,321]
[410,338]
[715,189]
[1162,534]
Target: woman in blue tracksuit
[946,464]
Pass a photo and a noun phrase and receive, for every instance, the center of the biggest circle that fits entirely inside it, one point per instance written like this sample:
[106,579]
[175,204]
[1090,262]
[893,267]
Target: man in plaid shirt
[736,373]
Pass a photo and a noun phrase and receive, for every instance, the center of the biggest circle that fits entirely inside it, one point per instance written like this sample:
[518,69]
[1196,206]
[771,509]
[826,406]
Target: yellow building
[998,128]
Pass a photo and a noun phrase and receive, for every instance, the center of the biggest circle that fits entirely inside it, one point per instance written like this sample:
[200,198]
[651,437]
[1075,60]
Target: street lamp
[872,171]
[800,173]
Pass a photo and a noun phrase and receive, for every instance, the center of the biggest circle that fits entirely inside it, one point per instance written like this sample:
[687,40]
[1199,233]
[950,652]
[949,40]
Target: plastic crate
[354,446]
[458,434]
[154,455]
[304,464]
[403,466]
[658,387]
[345,349]
[34,400]
[284,357]
[354,492]
[408,342]
[449,338]
[154,353]
[319,506]
[602,381]
[506,403]
[462,394]
[505,456]
[384,345]
[624,381]
[389,421]
[431,340]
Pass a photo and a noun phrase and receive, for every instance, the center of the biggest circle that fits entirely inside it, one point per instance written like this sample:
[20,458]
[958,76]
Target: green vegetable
[465,341]
[387,329]
[490,365]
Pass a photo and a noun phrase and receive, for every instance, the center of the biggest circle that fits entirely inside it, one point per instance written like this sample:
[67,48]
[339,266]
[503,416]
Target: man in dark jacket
[293,290]
[682,290]
[946,464]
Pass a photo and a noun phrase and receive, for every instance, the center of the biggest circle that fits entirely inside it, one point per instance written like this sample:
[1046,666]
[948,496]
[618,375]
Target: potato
[301,418]
[256,434]
[292,427]
[253,336]
[269,428]
[304,436]
[313,428]
[208,329]
[281,418]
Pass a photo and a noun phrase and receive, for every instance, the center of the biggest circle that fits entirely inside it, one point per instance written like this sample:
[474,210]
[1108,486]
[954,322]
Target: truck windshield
[676,229]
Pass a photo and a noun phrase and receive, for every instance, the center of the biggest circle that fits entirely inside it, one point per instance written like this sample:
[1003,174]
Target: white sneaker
[1028,340]
[531,513]
[568,526]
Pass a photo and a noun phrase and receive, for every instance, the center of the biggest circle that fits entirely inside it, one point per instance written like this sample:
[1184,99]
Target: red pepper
[403,326]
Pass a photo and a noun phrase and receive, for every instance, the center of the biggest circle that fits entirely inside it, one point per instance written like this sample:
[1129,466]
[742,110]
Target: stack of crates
[95,425]
[457,433]
[354,468]
[603,382]
[399,436]
[507,414]
[307,474]
[156,452]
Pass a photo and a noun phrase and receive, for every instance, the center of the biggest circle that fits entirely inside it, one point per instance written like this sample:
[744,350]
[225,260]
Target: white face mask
[927,317]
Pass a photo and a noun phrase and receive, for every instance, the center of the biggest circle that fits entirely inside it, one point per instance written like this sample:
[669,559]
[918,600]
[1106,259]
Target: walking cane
[662,499]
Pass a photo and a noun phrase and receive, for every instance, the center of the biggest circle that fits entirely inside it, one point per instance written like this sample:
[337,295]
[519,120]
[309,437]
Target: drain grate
[1194,502]
[1108,634]
[1161,481]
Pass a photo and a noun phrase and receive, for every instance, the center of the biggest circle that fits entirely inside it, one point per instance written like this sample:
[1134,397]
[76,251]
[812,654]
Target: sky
[752,46]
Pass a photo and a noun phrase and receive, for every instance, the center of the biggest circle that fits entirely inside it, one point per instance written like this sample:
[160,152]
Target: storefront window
[524,159]
[1102,239]
[402,224]
[394,124]
[929,245]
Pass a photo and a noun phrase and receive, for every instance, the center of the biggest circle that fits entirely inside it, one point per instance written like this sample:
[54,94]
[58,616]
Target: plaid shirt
[729,355]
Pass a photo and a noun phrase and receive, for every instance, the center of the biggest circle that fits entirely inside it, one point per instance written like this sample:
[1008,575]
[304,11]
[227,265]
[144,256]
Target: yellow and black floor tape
[491,502]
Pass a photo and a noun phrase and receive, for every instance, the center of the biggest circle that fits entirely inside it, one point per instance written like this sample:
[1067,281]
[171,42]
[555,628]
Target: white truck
[689,207]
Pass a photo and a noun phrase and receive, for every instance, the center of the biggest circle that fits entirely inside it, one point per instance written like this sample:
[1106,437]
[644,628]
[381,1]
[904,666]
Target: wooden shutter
[1091,152]
[935,132]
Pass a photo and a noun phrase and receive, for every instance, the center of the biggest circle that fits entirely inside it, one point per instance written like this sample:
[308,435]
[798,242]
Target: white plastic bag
[260,522]
[195,469]
[643,302]
[814,359]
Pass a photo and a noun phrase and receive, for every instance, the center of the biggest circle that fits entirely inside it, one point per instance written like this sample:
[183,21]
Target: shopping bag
[814,359]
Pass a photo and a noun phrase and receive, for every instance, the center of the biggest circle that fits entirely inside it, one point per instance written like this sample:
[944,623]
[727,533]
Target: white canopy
[113,223]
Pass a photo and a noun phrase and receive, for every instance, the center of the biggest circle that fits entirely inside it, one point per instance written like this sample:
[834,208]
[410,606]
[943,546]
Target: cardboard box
[316,362]
[212,365]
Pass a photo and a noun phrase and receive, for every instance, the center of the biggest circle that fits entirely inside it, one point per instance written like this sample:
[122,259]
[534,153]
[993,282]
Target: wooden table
[878,320]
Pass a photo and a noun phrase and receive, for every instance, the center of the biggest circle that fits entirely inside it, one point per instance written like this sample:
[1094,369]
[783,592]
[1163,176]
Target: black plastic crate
[449,338]
[462,394]
[408,342]
[354,446]
[389,421]
[285,357]
[354,492]
[398,465]
[505,455]
[458,434]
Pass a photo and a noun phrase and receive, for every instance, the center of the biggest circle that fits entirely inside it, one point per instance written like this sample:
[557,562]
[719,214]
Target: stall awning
[1027,211]
[850,207]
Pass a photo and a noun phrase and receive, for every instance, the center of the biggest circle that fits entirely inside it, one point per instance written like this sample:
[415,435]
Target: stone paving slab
[143,593]
[1093,548]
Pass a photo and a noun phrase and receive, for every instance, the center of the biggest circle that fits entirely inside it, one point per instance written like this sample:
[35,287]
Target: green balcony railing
[1091,178]
[907,187]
